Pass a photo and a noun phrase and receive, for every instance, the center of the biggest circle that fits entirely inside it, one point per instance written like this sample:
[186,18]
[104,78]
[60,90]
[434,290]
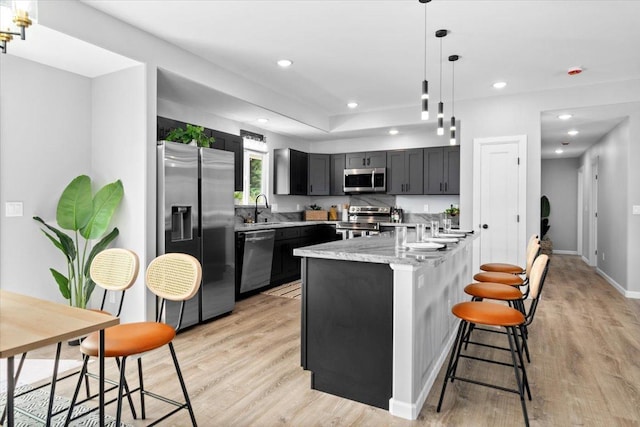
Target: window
[254,177]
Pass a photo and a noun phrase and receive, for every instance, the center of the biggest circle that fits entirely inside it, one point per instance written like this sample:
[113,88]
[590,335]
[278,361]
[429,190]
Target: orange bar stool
[509,278]
[513,296]
[500,267]
[174,277]
[489,314]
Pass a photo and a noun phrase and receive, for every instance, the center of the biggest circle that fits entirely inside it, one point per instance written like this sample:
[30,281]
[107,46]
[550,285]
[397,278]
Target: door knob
[485,226]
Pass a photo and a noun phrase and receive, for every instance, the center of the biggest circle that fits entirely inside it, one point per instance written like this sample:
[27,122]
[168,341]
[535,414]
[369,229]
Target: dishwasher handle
[257,236]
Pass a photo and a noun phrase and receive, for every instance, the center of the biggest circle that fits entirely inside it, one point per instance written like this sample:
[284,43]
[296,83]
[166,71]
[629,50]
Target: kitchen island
[376,321]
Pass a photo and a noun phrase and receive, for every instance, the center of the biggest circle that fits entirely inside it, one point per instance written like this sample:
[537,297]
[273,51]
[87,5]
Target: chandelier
[15,17]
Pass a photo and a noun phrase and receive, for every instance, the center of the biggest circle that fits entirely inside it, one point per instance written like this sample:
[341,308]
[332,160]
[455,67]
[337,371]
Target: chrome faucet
[257,212]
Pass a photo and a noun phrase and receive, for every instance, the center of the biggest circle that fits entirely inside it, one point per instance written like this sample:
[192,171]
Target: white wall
[119,136]
[45,142]
[613,237]
[560,185]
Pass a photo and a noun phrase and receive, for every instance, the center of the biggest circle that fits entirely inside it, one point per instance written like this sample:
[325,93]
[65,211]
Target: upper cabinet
[442,170]
[337,174]
[371,159]
[290,172]
[319,174]
[405,171]
[224,141]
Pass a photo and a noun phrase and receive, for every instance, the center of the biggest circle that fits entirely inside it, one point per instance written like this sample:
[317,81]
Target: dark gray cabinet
[337,174]
[442,170]
[405,171]
[370,159]
[290,172]
[319,175]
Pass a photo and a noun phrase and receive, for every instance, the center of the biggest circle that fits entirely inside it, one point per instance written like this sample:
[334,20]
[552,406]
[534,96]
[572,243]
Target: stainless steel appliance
[363,221]
[367,180]
[257,255]
[196,216]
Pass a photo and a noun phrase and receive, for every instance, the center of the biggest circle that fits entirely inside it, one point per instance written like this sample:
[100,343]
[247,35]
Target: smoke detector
[574,70]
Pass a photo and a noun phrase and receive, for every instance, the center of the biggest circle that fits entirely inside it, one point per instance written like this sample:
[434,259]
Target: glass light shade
[452,130]
[440,125]
[425,89]
[425,109]
[440,110]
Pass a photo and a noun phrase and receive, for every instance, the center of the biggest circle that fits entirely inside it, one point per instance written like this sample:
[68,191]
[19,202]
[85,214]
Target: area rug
[37,402]
[291,290]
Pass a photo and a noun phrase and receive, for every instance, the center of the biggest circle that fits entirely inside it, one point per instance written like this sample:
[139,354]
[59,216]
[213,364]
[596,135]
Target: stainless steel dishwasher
[256,259]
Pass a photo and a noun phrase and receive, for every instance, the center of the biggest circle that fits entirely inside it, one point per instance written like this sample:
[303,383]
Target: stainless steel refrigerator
[196,216]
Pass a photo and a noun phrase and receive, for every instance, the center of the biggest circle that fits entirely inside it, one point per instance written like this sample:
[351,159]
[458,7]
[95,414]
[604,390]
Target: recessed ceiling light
[499,85]
[352,104]
[263,120]
[284,63]
[393,131]
[559,151]
[565,116]
[573,132]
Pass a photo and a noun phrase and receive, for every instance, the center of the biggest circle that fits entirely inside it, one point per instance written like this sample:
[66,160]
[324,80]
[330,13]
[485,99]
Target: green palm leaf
[105,203]
[75,205]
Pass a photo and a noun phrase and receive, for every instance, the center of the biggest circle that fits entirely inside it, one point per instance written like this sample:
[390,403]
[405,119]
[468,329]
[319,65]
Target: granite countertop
[279,224]
[381,249]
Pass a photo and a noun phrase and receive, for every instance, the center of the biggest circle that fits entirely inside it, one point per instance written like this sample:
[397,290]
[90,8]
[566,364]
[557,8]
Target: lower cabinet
[285,267]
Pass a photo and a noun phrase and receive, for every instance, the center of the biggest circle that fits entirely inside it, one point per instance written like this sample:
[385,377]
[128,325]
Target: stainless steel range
[364,221]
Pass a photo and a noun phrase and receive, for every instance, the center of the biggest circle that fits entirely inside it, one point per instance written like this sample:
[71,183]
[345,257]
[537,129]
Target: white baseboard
[586,260]
[561,252]
[619,288]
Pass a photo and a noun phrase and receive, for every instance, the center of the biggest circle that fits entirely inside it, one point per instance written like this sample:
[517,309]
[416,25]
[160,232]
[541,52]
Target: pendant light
[441,34]
[425,83]
[452,140]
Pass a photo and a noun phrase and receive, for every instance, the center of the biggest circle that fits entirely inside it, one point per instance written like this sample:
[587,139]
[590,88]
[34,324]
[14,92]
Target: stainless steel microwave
[367,180]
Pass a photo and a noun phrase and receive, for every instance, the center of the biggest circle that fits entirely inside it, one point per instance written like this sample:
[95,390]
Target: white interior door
[593,235]
[499,198]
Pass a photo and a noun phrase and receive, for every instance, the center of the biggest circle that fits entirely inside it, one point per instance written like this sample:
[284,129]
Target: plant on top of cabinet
[88,217]
[191,133]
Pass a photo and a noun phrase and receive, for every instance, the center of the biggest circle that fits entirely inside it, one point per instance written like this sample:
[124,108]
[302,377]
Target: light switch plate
[636,210]
[13,209]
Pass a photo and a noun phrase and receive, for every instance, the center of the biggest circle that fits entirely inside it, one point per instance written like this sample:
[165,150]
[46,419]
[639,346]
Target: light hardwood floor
[244,369]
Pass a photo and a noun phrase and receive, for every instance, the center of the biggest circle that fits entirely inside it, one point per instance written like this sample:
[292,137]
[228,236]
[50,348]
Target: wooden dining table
[28,323]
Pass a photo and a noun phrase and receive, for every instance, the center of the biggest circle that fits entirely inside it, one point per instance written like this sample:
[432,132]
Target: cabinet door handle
[407,187]
[446,185]
[402,188]
[364,162]
[440,186]
[311,189]
[368,161]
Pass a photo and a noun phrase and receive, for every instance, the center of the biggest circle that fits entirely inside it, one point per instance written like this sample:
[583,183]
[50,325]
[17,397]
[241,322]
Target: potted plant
[191,135]
[87,216]
[452,211]
[546,245]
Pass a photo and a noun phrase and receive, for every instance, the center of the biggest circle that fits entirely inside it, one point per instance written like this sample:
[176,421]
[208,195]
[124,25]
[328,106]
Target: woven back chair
[174,277]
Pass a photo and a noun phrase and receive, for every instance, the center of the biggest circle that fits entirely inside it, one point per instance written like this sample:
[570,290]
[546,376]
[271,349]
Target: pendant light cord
[425,41]
[453,85]
[440,69]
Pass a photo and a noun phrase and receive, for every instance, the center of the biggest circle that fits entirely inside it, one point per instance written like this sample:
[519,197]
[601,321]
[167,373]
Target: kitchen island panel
[423,326]
[347,329]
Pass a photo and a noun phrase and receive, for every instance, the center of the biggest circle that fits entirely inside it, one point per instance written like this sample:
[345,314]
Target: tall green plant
[87,216]
[545,211]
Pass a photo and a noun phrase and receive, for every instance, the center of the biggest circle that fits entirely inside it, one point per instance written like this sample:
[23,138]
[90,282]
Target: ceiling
[372,52]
